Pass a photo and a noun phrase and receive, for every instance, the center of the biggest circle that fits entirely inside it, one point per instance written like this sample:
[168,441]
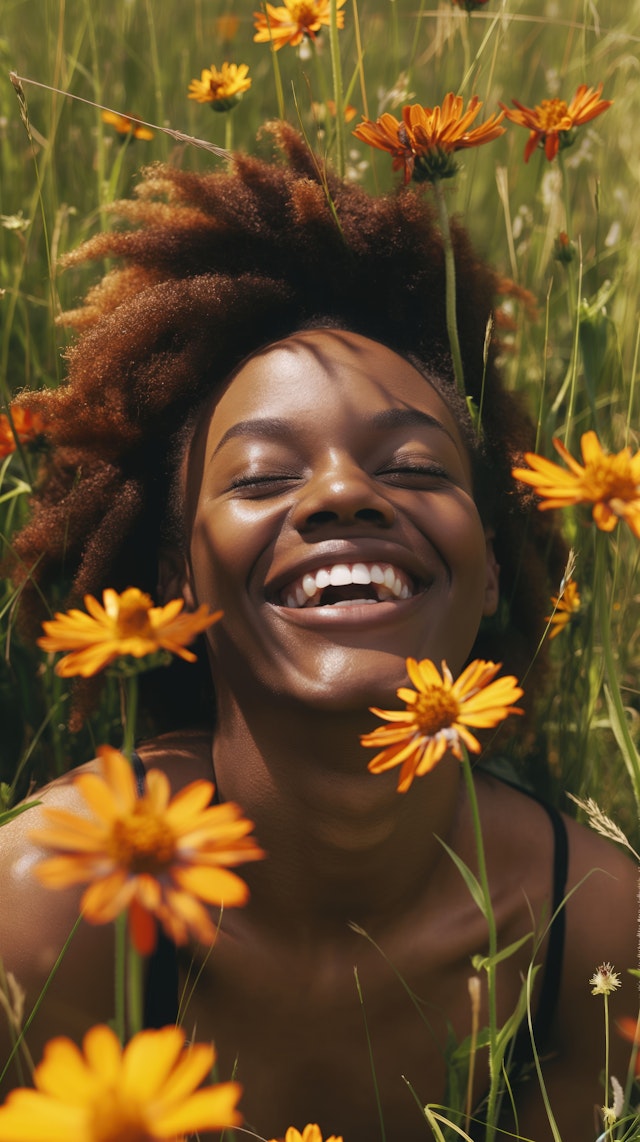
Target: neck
[341,842]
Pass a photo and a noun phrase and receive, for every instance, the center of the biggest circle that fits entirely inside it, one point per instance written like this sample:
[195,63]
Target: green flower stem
[135,990]
[276,66]
[338,94]
[625,740]
[494,1066]
[228,132]
[130,714]
[450,284]
[606,1058]
[573,299]
[120,1015]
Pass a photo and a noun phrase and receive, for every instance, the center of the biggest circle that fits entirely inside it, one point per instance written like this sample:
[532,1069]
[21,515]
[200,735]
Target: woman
[327,490]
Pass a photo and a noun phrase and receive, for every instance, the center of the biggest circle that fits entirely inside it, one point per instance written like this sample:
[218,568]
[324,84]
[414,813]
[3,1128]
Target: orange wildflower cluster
[552,123]
[297,19]
[565,607]
[222,89]
[27,426]
[611,482]
[126,125]
[146,1092]
[424,143]
[149,855]
[437,715]
[127,625]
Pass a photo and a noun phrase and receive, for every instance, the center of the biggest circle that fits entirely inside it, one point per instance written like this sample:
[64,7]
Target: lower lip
[355,615]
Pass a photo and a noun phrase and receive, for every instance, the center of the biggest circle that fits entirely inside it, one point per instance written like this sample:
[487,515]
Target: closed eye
[413,472]
[270,484]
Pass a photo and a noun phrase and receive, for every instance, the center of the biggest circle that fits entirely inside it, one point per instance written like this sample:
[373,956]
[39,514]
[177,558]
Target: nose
[341,493]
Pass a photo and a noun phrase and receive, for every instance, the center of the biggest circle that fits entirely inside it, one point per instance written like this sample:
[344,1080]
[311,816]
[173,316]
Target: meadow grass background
[575,362]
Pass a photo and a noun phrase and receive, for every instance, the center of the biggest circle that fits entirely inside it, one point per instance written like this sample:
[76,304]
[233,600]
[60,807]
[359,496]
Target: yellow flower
[27,426]
[565,606]
[437,715]
[222,89]
[147,1092]
[425,141]
[298,18]
[611,482]
[311,1133]
[152,855]
[126,125]
[605,980]
[127,624]
[552,123]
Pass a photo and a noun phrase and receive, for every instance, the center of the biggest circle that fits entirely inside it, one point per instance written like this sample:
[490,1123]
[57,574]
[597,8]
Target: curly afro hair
[212,268]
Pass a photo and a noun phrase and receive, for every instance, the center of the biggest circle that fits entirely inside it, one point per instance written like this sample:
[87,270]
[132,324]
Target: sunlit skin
[346,455]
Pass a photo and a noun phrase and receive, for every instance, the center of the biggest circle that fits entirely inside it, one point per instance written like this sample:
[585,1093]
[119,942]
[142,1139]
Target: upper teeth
[389,582]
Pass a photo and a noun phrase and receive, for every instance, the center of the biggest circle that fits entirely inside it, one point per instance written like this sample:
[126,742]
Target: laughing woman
[260,416]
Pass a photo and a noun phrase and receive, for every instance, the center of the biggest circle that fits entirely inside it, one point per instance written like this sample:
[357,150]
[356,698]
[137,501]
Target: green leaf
[480,962]
[471,881]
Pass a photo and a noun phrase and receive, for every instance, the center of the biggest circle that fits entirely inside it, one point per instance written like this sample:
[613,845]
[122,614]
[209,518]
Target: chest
[345,1034]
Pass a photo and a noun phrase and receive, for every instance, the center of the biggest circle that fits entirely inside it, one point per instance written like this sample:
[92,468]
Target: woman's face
[334,523]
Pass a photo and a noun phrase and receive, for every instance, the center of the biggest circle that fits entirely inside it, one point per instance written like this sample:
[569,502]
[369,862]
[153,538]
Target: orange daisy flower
[298,18]
[437,715]
[611,482]
[425,141]
[127,625]
[311,1133]
[222,89]
[146,1092]
[565,607]
[552,123]
[126,125]
[152,855]
[27,427]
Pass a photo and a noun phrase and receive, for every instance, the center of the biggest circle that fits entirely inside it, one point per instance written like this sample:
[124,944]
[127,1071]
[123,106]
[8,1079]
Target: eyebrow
[389,419]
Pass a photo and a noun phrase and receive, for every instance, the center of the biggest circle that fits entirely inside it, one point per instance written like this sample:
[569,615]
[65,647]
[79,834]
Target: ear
[492,577]
[174,577]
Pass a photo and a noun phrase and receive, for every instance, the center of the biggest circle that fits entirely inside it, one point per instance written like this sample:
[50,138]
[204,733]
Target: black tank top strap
[162,982]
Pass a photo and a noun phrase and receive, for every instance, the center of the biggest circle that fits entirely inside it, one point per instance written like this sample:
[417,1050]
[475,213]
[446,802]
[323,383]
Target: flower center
[142,842]
[133,615]
[435,710]
[116,1120]
[551,114]
[610,478]
[303,12]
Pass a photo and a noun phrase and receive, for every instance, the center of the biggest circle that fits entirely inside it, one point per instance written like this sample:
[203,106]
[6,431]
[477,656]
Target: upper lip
[331,552]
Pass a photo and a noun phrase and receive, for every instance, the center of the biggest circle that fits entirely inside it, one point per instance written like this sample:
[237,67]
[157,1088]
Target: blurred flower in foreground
[125,125]
[27,426]
[565,606]
[552,123]
[425,141]
[222,89]
[437,715]
[152,854]
[127,625]
[629,1029]
[298,18]
[469,5]
[147,1092]
[311,1133]
[604,980]
[611,482]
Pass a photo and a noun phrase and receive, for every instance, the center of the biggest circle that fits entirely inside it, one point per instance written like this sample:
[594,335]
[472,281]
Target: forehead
[314,373]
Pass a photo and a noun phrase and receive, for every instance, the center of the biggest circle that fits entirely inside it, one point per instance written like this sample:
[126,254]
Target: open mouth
[347,584]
